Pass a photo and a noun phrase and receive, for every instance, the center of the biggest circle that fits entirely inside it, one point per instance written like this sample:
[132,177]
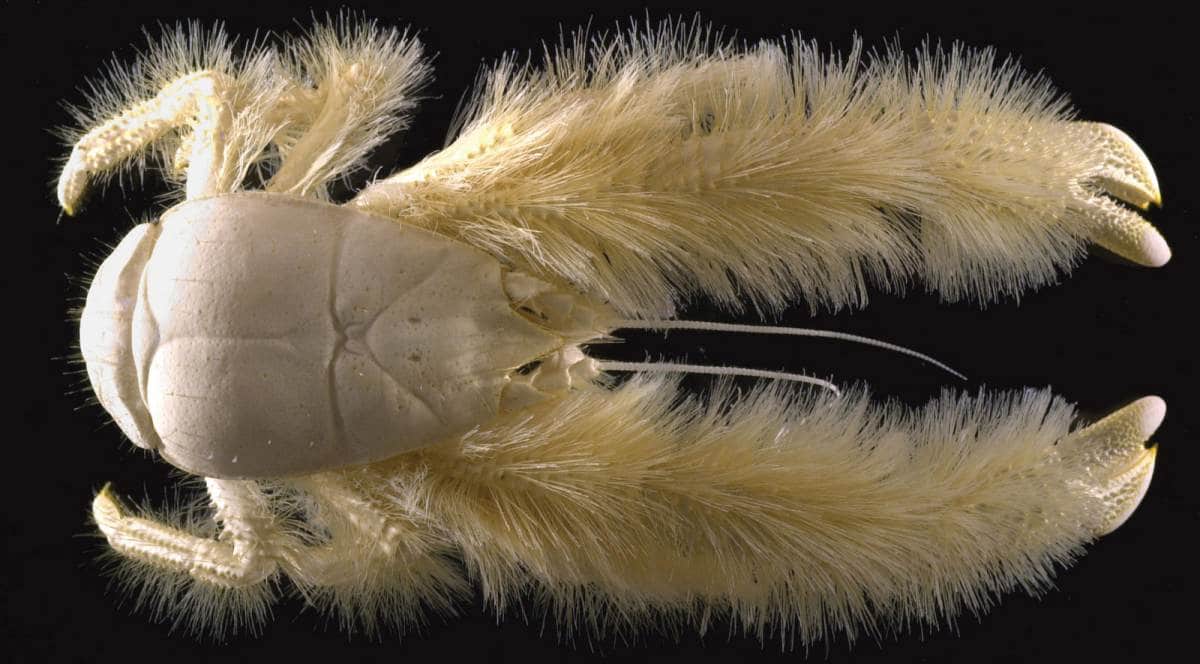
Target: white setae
[378,391]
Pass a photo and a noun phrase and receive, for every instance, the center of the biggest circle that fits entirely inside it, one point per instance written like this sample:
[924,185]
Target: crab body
[374,389]
[257,335]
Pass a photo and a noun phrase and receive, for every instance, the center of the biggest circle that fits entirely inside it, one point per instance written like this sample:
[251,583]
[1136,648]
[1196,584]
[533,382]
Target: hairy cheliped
[390,400]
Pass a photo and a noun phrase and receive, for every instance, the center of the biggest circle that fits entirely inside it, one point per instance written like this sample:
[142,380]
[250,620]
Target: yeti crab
[391,399]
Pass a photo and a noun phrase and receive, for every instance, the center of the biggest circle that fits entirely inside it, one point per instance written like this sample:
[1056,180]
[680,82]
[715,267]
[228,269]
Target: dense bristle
[396,580]
[792,516]
[179,51]
[361,84]
[656,166]
[645,170]
[177,599]
[325,99]
[803,517]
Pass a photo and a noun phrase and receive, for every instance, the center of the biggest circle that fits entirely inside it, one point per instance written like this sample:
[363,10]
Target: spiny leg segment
[198,101]
[316,107]
[254,542]
[243,555]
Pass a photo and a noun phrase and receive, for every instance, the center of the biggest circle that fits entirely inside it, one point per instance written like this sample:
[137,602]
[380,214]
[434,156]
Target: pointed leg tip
[1151,410]
[1129,497]
[105,509]
[1137,157]
[1135,422]
[1128,481]
[1114,461]
[1156,251]
[1131,237]
[1125,172]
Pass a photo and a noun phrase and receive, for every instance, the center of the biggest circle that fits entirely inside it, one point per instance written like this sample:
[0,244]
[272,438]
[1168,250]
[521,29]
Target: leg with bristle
[362,533]
[356,534]
[240,557]
[327,109]
[197,101]
[380,566]
[358,82]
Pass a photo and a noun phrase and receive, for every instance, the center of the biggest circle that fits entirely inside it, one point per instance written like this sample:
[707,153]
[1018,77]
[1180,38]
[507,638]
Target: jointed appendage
[245,553]
[315,111]
[198,103]
[1121,172]
[255,542]
[1115,463]
[598,195]
[320,120]
[360,534]
[828,164]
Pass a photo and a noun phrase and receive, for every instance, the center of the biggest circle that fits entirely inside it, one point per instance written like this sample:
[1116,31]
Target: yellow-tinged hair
[281,98]
[646,170]
[798,516]
[657,166]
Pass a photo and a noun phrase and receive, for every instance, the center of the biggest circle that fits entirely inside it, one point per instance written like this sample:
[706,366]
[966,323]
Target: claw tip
[105,508]
[1151,411]
[1156,252]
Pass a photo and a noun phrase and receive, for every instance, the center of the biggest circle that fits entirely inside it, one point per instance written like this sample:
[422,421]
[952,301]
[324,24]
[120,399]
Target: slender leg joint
[198,100]
[237,559]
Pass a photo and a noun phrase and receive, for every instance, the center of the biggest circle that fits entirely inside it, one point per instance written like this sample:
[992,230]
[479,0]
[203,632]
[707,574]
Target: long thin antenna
[632,324]
[667,367]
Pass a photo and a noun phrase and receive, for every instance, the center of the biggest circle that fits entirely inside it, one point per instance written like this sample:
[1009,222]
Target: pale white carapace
[371,390]
[254,335]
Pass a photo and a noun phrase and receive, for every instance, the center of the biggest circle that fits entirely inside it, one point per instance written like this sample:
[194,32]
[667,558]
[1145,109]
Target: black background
[1106,335]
